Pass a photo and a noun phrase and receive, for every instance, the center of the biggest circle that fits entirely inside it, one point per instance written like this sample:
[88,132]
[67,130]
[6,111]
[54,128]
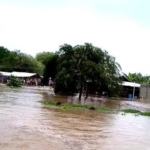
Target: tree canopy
[85,65]
[138,78]
[44,57]
[50,69]
[18,61]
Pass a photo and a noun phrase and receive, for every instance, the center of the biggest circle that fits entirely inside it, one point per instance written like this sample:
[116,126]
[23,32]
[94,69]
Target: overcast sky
[122,27]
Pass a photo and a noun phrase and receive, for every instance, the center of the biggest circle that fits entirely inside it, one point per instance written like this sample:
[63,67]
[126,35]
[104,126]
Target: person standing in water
[50,83]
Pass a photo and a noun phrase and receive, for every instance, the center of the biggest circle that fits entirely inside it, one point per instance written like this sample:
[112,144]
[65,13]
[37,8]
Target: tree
[85,63]
[18,61]
[138,78]
[4,53]
[44,57]
[50,69]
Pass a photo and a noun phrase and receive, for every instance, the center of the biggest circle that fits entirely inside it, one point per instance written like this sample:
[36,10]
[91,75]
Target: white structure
[23,74]
[131,84]
[17,74]
[6,74]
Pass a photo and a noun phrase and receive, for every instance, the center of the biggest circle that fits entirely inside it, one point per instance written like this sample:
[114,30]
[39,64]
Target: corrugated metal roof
[131,84]
[5,73]
[17,74]
[23,74]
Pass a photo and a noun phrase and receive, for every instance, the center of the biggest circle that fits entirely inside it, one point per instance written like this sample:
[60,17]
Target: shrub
[14,82]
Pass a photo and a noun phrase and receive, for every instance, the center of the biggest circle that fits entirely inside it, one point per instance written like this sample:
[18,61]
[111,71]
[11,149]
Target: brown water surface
[26,124]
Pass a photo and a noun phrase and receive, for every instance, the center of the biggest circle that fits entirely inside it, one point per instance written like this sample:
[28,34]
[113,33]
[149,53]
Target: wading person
[50,83]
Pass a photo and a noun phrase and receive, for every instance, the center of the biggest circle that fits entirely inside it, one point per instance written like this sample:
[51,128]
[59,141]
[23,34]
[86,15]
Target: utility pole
[133,91]
[147,90]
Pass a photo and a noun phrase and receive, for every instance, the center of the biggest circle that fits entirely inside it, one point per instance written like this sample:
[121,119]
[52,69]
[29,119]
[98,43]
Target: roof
[17,74]
[5,73]
[124,78]
[23,74]
[131,84]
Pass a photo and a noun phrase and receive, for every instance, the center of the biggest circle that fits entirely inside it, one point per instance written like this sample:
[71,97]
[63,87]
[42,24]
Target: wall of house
[145,91]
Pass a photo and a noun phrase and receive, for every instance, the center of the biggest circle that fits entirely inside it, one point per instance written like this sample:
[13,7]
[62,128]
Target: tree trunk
[86,91]
[80,93]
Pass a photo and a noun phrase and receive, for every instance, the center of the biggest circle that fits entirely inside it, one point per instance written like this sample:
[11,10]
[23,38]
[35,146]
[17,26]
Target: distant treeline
[138,78]
[18,61]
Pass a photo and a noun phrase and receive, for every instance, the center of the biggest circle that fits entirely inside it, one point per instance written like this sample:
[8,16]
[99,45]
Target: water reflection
[27,124]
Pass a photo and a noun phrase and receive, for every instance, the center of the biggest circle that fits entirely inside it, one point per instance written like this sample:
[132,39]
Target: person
[50,83]
[35,80]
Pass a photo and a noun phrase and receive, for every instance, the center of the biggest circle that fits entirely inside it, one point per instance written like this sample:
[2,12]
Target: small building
[145,91]
[129,88]
[4,76]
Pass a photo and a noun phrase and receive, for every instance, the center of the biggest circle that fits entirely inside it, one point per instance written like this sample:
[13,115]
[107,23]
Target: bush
[14,82]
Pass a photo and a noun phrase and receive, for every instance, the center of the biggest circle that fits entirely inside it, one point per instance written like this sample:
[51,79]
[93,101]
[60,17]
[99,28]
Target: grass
[145,114]
[49,103]
[100,109]
[66,106]
[131,111]
[69,106]
[104,109]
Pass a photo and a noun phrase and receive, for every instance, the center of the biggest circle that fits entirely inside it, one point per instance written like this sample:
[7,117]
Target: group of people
[31,81]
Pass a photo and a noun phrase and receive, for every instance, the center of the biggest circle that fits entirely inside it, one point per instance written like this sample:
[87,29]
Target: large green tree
[50,69]
[85,64]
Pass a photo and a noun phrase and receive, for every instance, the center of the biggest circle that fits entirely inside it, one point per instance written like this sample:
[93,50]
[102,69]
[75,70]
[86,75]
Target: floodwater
[26,124]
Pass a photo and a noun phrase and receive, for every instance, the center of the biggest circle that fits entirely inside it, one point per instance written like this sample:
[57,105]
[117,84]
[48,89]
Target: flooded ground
[26,124]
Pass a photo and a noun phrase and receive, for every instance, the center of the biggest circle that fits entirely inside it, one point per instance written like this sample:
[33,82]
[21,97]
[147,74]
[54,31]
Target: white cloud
[36,29]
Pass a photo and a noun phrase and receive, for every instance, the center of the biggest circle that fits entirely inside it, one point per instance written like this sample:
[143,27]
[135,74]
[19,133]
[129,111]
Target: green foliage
[82,63]
[104,109]
[70,106]
[44,57]
[14,82]
[131,111]
[138,78]
[3,53]
[17,61]
[50,69]
[145,114]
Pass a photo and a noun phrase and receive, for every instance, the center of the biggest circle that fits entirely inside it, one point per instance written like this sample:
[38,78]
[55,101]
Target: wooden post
[133,91]
[146,91]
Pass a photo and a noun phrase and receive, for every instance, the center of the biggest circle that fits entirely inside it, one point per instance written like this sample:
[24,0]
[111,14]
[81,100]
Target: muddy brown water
[26,124]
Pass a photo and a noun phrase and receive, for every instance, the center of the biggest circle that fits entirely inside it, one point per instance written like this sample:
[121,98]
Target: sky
[122,27]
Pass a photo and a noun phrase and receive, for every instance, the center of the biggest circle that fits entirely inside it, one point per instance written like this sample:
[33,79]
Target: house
[129,88]
[4,76]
